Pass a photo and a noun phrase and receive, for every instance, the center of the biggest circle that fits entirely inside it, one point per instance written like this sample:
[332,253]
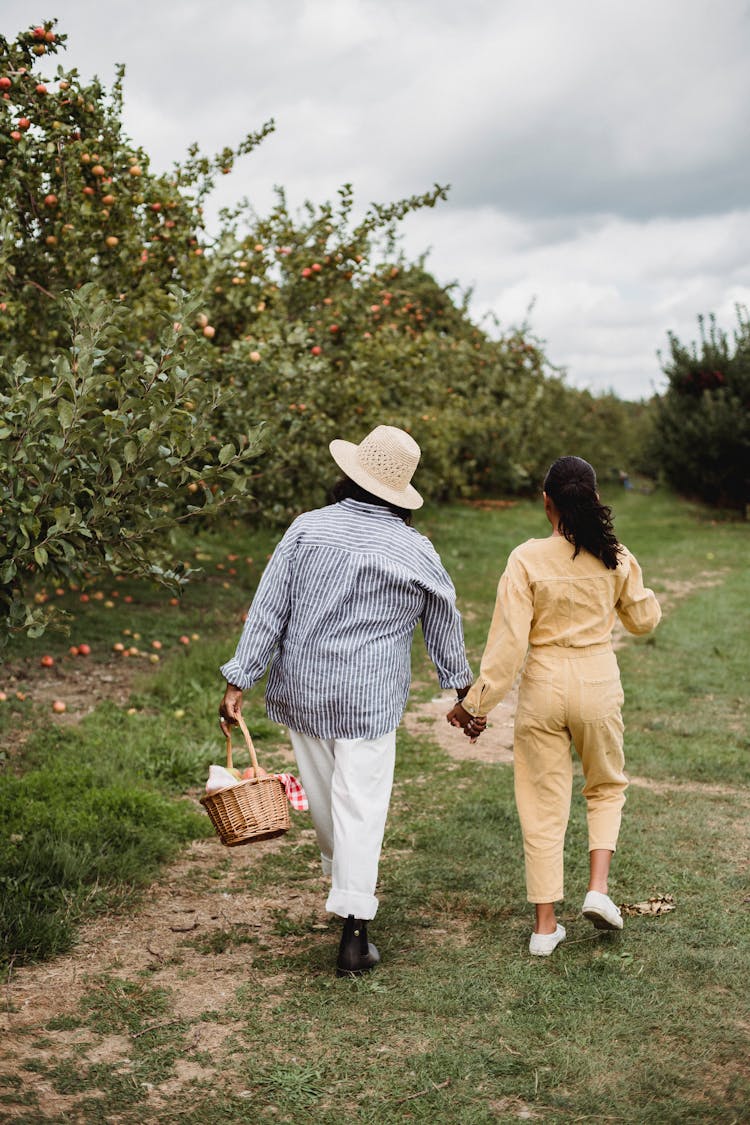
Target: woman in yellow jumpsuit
[557,601]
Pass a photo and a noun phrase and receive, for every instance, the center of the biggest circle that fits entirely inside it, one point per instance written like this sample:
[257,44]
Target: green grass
[459,1024]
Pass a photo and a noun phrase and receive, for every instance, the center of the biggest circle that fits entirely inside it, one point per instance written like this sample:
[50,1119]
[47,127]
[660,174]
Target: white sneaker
[541,945]
[600,910]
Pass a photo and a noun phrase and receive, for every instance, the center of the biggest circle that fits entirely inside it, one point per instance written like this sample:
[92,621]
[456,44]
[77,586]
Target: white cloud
[604,297]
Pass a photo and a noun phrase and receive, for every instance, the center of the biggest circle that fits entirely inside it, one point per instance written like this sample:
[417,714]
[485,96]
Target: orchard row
[212,370]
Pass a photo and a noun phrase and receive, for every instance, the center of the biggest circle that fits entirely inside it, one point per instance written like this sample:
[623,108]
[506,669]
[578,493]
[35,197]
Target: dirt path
[495,745]
[190,937]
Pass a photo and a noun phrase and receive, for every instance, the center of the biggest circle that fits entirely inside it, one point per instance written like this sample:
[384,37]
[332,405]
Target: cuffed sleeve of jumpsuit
[507,640]
[637,607]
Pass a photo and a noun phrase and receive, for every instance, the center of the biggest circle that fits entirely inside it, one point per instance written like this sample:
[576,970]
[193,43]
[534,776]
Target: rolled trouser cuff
[345,903]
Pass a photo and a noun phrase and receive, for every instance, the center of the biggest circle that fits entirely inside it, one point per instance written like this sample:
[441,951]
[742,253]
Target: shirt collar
[371,509]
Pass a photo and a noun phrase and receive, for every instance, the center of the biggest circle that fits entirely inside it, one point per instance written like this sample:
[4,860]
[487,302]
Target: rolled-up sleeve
[266,619]
[442,629]
[507,640]
[637,606]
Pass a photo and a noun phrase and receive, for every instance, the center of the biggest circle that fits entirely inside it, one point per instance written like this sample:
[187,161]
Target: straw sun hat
[383,463]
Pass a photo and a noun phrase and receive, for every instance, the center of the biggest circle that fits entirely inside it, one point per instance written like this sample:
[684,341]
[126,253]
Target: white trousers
[348,783]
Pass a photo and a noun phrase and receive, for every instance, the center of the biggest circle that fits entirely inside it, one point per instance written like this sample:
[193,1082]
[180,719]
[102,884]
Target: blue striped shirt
[335,613]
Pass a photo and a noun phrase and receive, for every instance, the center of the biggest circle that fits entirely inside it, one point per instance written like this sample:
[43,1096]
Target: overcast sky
[598,152]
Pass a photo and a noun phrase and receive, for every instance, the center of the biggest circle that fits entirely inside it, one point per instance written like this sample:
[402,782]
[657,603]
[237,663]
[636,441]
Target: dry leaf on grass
[659,904]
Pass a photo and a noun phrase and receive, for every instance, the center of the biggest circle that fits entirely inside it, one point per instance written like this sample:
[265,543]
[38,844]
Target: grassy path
[212,999]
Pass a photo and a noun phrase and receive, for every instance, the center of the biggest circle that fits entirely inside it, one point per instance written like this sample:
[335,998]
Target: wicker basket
[256,809]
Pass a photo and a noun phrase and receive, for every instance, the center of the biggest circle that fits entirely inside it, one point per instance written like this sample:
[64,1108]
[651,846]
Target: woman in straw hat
[335,613]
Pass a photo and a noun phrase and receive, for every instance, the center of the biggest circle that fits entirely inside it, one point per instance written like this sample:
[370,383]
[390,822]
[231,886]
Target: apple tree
[80,202]
[94,454]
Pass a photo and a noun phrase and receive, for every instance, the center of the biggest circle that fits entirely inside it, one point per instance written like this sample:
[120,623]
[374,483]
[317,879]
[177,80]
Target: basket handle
[251,749]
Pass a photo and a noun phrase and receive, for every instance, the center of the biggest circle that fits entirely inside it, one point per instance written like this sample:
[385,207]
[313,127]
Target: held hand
[472,725]
[230,709]
[457,716]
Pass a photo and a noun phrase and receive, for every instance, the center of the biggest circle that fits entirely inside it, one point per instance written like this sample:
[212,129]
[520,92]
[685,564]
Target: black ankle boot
[356,954]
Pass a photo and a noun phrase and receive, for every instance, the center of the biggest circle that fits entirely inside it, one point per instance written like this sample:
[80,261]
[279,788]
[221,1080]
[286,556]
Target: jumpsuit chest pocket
[600,697]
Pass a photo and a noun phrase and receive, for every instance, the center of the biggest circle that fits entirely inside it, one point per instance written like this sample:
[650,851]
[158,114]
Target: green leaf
[226,453]
[130,452]
[40,556]
[65,412]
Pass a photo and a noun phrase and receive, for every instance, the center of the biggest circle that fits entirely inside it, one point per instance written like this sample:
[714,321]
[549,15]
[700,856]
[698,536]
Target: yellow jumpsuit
[558,612]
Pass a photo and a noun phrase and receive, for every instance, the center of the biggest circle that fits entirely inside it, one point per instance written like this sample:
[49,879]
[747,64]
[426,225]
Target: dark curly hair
[586,523]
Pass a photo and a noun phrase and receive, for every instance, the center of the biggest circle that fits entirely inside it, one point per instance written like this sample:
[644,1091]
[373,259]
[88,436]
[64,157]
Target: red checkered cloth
[295,793]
